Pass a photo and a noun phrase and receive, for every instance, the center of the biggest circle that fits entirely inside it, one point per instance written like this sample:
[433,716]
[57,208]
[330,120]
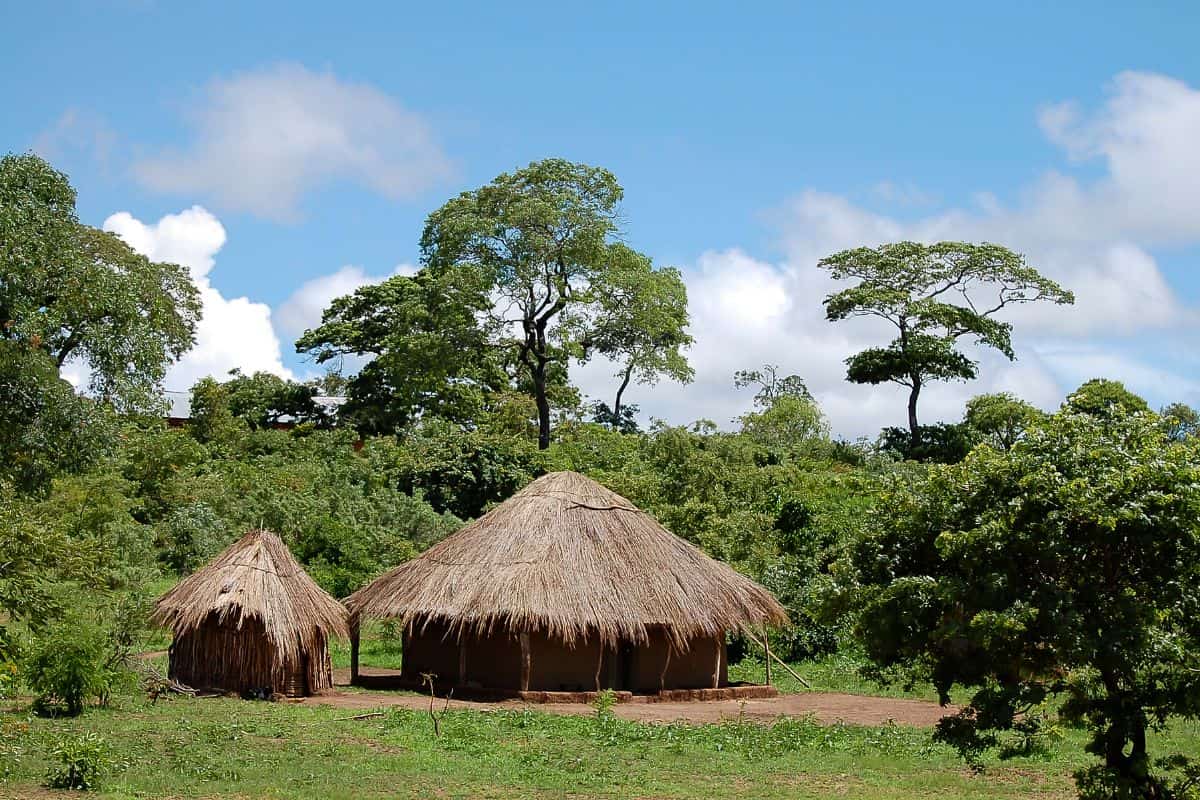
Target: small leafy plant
[80,762]
[66,667]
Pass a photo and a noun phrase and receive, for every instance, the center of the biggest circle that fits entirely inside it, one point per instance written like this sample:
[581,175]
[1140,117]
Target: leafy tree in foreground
[543,237]
[1063,575]
[45,428]
[934,295]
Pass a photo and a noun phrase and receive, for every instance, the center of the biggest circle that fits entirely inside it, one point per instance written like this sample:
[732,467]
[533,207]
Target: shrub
[66,667]
[80,762]
[190,535]
[8,679]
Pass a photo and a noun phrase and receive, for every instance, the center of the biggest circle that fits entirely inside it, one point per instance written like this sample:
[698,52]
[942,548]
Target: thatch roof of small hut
[256,577]
[571,558]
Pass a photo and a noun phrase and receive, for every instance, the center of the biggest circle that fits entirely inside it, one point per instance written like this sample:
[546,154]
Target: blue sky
[747,136]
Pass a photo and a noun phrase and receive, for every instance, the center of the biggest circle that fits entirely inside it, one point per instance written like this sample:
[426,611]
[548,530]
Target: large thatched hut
[566,586]
[252,620]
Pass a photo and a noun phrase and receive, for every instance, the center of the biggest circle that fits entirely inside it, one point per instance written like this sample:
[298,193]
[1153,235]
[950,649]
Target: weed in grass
[81,762]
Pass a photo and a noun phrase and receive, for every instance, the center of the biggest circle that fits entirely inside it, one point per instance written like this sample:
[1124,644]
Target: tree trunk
[616,409]
[914,430]
[543,405]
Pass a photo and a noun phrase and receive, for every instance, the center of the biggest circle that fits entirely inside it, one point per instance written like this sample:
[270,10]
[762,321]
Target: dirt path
[827,707]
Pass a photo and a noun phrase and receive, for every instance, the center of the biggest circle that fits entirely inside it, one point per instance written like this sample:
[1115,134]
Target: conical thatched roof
[255,577]
[569,557]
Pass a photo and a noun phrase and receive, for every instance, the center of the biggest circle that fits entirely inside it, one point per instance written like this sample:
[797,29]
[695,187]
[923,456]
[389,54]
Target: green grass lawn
[183,747]
[217,748]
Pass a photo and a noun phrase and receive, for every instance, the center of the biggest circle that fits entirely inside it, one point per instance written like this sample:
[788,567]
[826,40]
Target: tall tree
[639,322]
[934,295]
[543,236]
[79,294]
[427,350]
[1061,576]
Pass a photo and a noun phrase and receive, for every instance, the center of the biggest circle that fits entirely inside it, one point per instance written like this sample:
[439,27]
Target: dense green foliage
[1061,576]
[75,293]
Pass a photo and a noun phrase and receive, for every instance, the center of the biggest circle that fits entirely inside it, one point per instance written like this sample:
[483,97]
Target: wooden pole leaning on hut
[354,632]
[771,656]
[767,650]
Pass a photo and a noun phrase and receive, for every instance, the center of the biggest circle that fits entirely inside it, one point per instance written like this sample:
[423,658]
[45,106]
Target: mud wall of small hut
[229,658]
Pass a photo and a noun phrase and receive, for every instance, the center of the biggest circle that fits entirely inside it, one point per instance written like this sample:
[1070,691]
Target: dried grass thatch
[251,618]
[573,559]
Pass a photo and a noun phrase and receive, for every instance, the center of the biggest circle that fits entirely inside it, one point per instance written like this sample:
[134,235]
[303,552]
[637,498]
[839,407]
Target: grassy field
[218,748]
[214,748]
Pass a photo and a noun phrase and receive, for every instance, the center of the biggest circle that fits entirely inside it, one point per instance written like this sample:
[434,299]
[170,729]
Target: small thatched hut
[252,620]
[566,586]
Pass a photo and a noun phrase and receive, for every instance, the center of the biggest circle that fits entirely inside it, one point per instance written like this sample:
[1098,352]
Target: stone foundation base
[732,692]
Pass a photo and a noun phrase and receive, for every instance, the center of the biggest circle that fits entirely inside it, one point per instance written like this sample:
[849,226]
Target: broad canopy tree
[1060,576]
[68,293]
[545,236]
[934,296]
[427,345]
[73,294]
[518,277]
[76,293]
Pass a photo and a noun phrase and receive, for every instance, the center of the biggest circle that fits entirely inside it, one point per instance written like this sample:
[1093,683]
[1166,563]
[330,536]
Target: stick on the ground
[360,716]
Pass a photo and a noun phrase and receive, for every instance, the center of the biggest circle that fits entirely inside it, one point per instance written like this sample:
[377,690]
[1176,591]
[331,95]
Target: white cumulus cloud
[303,308]
[1096,237]
[263,139]
[233,332]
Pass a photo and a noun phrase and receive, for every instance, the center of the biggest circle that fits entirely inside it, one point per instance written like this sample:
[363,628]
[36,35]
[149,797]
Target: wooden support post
[354,631]
[767,650]
[599,665]
[526,662]
[662,676]
[462,659]
[717,670]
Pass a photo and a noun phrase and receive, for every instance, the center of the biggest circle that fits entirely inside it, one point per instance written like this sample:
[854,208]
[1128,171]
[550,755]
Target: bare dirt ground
[827,707]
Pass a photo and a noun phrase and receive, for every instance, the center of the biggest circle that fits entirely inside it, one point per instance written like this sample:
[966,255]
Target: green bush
[80,762]
[8,679]
[66,667]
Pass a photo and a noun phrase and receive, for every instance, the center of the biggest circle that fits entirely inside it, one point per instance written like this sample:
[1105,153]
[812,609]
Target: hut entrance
[624,666]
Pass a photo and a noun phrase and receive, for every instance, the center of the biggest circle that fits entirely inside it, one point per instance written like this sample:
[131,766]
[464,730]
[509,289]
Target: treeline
[1050,562]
